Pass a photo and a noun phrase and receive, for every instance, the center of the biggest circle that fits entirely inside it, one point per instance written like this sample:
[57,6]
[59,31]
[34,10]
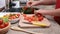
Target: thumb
[43,12]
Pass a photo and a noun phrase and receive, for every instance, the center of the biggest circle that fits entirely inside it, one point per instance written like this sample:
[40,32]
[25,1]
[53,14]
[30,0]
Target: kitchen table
[53,29]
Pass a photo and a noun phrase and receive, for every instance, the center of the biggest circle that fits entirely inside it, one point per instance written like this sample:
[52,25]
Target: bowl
[5,30]
[14,20]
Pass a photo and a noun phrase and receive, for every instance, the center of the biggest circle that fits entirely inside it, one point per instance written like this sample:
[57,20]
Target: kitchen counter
[53,29]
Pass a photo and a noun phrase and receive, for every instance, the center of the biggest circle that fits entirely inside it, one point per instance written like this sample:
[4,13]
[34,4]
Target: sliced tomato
[30,20]
[40,18]
[10,17]
[38,15]
[13,17]
[26,18]
[18,15]
[24,15]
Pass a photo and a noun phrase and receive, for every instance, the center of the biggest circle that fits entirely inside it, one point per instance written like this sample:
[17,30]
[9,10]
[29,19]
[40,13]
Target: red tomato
[10,17]
[40,18]
[6,24]
[26,18]
[38,14]
[13,17]
[24,15]
[18,15]
[1,22]
[33,16]
[30,20]
[2,26]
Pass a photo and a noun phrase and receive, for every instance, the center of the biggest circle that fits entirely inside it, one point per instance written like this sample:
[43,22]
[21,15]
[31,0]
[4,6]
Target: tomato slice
[24,15]
[38,15]
[18,15]
[40,18]
[30,20]
[13,17]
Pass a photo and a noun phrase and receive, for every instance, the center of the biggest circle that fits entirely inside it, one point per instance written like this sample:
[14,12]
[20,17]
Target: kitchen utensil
[20,29]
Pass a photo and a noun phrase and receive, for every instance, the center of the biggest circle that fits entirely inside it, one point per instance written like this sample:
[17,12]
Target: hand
[33,3]
[43,12]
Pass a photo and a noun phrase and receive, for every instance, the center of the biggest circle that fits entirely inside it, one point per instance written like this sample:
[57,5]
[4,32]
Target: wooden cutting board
[24,25]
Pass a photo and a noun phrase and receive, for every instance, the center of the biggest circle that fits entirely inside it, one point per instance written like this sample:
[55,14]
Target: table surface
[53,29]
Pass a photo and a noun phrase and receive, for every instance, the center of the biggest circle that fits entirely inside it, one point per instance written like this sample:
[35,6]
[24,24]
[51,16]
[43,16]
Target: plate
[44,21]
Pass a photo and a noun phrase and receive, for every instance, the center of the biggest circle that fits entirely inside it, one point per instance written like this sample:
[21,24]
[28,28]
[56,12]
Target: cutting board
[24,25]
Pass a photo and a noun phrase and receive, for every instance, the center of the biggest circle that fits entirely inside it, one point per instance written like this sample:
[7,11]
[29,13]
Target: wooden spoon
[20,29]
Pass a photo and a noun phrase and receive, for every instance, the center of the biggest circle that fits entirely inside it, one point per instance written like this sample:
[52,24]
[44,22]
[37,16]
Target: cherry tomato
[40,18]
[2,26]
[6,24]
[24,15]
[13,17]
[38,14]
[33,16]
[1,22]
[18,15]
[26,18]
[10,17]
[30,20]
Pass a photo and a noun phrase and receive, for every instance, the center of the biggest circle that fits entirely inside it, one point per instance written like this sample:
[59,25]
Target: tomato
[30,20]
[1,22]
[18,15]
[26,18]
[2,26]
[33,16]
[6,24]
[38,14]
[24,15]
[13,17]
[40,18]
[10,17]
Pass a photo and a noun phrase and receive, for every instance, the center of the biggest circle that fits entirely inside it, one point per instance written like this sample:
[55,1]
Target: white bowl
[5,30]
[14,20]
